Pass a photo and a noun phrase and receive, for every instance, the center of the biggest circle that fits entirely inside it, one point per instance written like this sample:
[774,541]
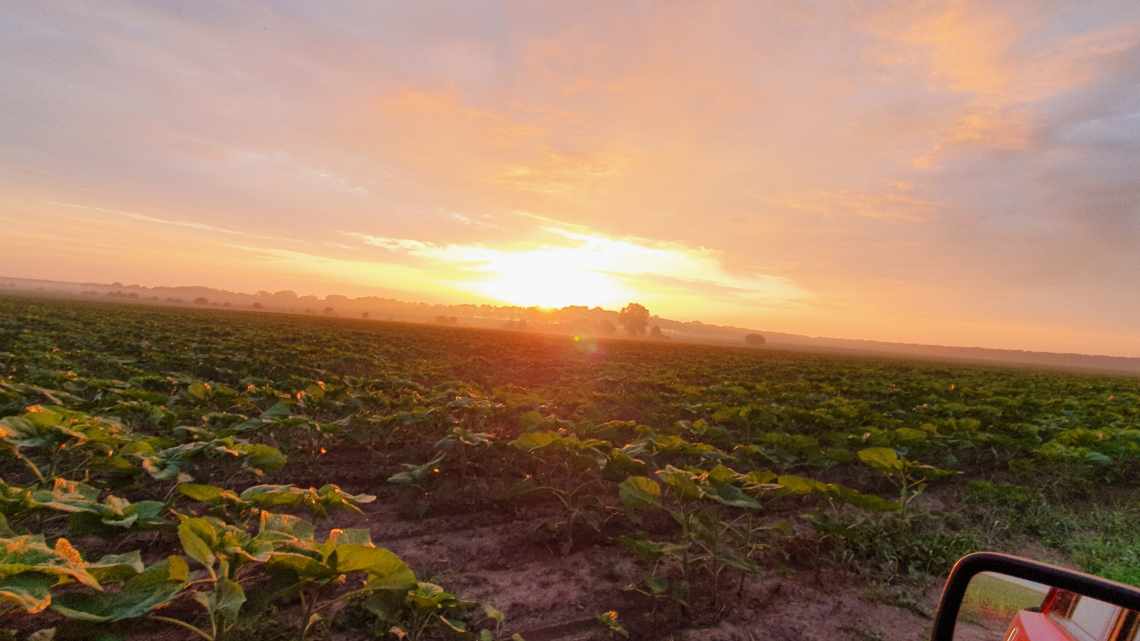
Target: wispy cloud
[560,254]
[392,244]
[896,203]
[185,224]
[562,173]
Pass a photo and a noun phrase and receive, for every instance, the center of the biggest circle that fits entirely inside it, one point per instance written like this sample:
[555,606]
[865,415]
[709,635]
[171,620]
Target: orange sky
[955,173]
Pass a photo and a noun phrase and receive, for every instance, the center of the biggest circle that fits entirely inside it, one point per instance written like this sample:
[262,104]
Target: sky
[962,173]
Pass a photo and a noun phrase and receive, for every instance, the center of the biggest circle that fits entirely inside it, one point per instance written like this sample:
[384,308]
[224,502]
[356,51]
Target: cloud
[559,256]
[562,173]
[186,224]
[281,167]
[896,203]
[390,275]
[391,244]
[989,56]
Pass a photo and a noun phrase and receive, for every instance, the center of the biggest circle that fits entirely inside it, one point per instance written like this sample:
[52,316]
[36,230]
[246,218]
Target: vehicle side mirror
[998,597]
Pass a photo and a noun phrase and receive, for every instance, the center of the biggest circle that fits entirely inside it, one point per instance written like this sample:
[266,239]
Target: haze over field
[951,173]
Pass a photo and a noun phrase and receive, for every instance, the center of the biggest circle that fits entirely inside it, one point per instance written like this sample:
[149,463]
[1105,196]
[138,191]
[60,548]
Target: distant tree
[754,339]
[201,300]
[634,317]
[364,315]
[606,327]
[330,310]
[655,332]
[258,305]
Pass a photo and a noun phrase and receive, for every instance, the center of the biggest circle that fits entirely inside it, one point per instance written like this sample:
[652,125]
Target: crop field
[994,600]
[176,474]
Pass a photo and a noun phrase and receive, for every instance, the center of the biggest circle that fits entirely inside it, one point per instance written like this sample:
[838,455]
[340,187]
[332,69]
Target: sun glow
[561,265]
[553,277]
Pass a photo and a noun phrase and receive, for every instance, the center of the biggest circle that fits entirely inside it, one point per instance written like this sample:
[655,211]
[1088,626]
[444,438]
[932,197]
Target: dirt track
[507,560]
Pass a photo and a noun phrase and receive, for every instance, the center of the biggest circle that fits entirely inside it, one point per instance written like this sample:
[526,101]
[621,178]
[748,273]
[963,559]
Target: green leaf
[722,474]
[285,524]
[199,390]
[315,391]
[206,493]
[732,496]
[428,596]
[262,457]
[652,550]
[303,565]
[386,571]
[386,605]
[177,568]
[68,496]
[274,496]
[531,441]
[30,553]
[455,625]
[759,478]
[910,435]
[881,458]
[1092,456]
[799,484]
[113,568]
[413,474]
[493,613]
[530,419]
[610,621]
[351,557]
[199,538]
[228,599]
[640,492]
[680,482]
[356,536]
[730,558]
[29,591]
[153,588]
[330,492]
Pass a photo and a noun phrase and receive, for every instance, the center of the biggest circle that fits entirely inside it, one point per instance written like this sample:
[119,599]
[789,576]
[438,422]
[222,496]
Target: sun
[550,277]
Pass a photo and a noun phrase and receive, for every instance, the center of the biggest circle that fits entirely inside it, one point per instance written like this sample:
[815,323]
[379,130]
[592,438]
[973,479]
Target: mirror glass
[998,607]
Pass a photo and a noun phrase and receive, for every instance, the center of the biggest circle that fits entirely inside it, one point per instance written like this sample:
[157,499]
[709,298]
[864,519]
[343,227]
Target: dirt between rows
[502,558]
[501,554]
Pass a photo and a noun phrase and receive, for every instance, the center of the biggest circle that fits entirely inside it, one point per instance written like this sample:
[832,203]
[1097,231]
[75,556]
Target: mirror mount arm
[971,565]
